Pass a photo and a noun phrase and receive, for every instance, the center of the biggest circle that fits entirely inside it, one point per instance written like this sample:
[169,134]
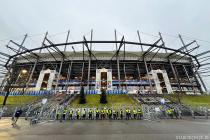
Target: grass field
[190,99]
[20,99]
[113,99]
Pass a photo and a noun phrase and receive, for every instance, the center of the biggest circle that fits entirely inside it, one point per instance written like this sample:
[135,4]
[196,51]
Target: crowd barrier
[41,92]
[115,92]
[91,92]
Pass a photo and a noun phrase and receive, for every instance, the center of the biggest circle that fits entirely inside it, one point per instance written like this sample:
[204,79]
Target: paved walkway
[167,129]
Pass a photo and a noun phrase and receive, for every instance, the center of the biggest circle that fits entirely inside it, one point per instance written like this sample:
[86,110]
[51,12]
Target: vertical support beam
[124,50]
[69,75]
[125,77]
[88,82]
[118,69]
[83,51]
[91,39]
[196,72]
[139,76]
[162,41]
[140,40]
[115,37]
[150,84]
[173,70]
[67,38]
[32,72]
[82,73]
[59,73]
[43,41]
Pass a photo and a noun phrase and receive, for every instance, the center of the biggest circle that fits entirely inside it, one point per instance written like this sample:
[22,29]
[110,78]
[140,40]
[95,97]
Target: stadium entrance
[103,79]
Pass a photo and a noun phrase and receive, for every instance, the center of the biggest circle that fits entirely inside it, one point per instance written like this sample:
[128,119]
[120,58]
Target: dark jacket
[18,113]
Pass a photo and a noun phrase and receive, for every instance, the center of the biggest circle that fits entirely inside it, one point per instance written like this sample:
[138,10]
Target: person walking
[17,115]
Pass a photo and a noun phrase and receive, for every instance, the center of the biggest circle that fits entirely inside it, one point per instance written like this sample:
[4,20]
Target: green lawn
[20,99]
[190,99]
[113,99]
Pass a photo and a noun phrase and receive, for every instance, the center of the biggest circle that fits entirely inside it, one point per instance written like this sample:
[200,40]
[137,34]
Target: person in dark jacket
[17,115]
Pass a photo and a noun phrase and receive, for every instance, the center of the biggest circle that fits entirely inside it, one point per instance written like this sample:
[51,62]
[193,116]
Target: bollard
[99,111]
[118,112]
[80,115]
[204,111]
[2,111]
[56,112]
[27,113]
[13,116]
[74,112]
[67,112]
[112,113]
[124,112]
[179,112]
[192,112]
[86,112]
[93,112]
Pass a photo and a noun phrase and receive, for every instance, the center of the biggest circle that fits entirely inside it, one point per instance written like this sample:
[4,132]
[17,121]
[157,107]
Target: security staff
[134,113]
[102,114]
[170,113]
[114,114]
[90,114]
[84,113]
[64,114]
[97,113]
[128,112]
[78,112]
[121,114]
[110,113]
[58,113]
[175,112]
[139,114]
[107,113]
[37,112]
[70,114]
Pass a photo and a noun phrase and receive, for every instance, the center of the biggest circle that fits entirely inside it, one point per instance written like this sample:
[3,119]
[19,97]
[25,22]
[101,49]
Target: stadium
[47,83]
[118,72]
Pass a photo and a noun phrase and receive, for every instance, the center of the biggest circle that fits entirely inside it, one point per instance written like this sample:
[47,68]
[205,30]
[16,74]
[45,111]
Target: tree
[82,99]
[103,98]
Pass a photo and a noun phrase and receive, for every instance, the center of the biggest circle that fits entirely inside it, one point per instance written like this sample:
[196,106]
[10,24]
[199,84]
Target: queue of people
[101,114]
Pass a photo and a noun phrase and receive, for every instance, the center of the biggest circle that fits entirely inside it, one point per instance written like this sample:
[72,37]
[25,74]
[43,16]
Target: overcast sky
[186,17]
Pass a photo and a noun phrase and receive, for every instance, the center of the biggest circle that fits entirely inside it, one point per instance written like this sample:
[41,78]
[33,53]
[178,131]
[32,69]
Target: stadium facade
[145,71]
